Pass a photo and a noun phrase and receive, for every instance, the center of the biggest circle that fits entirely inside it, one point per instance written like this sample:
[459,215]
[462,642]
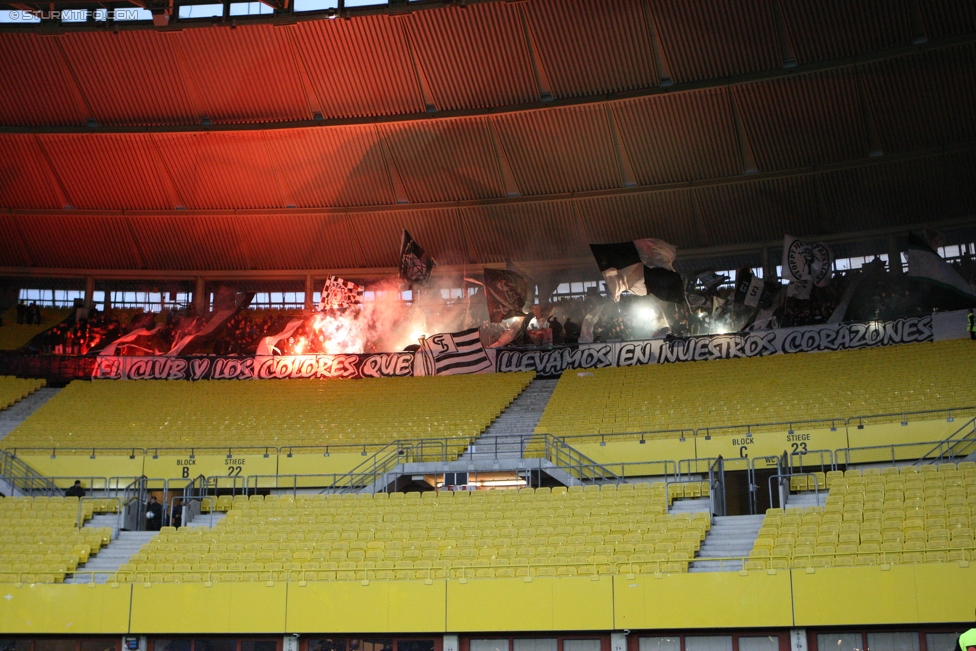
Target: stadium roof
[496,131]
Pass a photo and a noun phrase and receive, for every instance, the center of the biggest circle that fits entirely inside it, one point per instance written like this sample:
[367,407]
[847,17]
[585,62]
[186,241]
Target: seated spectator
[76,490]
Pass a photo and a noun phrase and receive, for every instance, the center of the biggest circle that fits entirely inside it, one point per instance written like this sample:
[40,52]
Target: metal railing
[633,469]
[884,454]
[578,465]
[527,570]
[81,510]
[252,483]
[21,477]
[951,447]
[700,465]
[783,481]
[801,461]
[529,443]
[716,487]
[134,501]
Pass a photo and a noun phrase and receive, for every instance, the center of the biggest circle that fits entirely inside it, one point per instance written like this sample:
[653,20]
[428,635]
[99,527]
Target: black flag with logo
[506,293]
[416,264]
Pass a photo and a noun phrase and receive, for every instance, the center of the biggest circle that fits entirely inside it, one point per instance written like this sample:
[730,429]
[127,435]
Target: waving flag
[338,294]
[506,293]
[641,267]
[806,262]
[940,285]
[416,264]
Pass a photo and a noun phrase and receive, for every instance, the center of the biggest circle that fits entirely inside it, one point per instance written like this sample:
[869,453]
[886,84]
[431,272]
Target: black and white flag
[806,262]
[748,287]
[940,284]
[641,267]
[506,293]
[455,353]
[416,264]
[339,294]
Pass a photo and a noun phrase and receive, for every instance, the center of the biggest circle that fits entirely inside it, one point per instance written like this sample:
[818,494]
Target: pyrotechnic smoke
[387,323]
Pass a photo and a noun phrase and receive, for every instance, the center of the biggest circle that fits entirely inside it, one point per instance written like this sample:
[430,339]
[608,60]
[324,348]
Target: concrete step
[501,439]
[204,520]
[806,499]
[112,556]
[730,537]
[697,505]
[732,519]
[715,566]
[105,520]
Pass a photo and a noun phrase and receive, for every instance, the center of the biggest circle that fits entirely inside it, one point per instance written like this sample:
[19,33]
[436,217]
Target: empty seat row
[884,380]
[150,414]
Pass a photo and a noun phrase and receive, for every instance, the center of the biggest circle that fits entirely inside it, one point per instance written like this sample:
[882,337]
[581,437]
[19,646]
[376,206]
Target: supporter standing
[76,490]
[557,330]
[154,515]
[176,513]
[571,331]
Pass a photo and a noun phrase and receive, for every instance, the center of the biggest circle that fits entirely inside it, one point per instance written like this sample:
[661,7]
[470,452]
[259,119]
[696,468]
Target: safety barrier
[21,477]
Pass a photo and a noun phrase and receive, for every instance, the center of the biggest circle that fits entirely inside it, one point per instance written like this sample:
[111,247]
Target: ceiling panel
[709,39]
[444,160]
[473,56]
[609,51]
[358,67]
[342,166]
[682,137]
[112,172]
[560,150]
[220,170]
[26,177]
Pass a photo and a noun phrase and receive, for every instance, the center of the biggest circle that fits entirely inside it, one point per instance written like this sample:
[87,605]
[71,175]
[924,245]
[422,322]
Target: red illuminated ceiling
[498,131]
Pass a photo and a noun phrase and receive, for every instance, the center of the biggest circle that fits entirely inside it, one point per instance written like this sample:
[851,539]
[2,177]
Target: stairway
[18,413]
[696,505]
[111,557]
[203,520]
[802,500]
[730,536]
[101,520]
[501,439]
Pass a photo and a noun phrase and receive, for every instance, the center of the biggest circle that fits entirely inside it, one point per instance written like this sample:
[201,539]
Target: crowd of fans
[246,329]
[28,314]
[876,294]
[870,293]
